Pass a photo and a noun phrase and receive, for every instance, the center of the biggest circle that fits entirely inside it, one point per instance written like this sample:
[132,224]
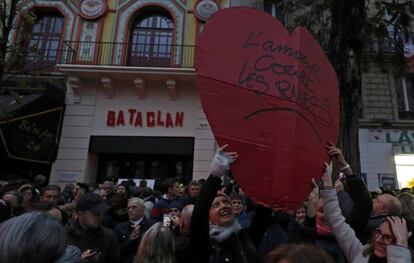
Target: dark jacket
[362,205]
[128,248]
[239,247]
[182,249]
[101,239]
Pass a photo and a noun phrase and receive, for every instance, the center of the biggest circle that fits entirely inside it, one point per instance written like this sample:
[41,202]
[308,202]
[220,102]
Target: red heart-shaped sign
[273,97]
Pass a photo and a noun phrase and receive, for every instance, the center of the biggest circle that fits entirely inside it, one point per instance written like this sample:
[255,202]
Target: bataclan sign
[150,119]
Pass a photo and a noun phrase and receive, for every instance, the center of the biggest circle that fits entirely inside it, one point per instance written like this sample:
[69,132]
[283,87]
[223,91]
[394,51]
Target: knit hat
[92,202]
[223,195]
[175,204]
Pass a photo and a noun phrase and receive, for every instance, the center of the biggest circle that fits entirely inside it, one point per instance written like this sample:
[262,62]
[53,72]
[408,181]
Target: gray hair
[139,201]
[32,237]
[393,205]
[157,246]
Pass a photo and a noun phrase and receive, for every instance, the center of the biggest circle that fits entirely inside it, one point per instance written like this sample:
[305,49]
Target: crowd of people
[206,221]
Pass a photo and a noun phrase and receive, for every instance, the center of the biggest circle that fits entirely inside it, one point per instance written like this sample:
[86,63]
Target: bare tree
[16,22]
[14,19]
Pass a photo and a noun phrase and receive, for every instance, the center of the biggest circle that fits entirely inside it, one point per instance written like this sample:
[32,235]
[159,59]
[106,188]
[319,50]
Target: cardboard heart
[273,97]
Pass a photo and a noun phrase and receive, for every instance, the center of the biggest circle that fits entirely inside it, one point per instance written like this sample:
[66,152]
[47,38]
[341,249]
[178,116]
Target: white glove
[221,162]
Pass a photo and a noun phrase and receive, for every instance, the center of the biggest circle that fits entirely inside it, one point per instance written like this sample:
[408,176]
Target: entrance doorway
[137,166]
[140,157]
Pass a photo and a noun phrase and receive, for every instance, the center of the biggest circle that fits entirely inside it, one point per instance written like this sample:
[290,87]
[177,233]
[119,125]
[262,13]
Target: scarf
[220,233]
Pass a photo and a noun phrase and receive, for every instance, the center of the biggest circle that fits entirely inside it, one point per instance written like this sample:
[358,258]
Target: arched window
[45,40]
[151,40]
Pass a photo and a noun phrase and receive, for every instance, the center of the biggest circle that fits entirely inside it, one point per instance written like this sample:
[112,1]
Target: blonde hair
[157,246]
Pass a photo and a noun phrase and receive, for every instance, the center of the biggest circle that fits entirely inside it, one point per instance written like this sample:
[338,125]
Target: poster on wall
[273,96]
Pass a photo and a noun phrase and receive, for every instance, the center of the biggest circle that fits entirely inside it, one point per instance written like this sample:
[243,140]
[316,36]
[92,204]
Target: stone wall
[378,94]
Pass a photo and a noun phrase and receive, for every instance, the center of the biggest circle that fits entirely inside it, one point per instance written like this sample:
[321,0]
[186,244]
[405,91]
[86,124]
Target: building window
[151,40]
[404,165]
[275,8]
[405,98]
[45,39]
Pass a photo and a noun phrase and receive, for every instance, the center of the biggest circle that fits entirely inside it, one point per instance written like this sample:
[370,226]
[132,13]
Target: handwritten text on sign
[148,119]
[273,96]
[267,75]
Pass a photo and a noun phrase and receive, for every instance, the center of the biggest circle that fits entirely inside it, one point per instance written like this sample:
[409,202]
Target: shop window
[45,41]
[275,8]
[151,40]
[405,97]
[404,165]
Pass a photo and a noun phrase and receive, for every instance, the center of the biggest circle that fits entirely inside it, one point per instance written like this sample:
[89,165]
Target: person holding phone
[98,244]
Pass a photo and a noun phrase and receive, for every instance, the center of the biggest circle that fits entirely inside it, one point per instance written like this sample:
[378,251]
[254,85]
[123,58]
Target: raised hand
[339,186]
[221,161]
[399,229]
[338,158]
[135,233]
[313,200]
[327,176]
[90,255]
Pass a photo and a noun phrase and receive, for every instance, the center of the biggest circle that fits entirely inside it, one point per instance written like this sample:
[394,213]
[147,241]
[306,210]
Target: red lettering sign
[131,115]
[110,118]
[153,119]
[168,121]
[120,120]
[138,120]
[160,122]
[179,119]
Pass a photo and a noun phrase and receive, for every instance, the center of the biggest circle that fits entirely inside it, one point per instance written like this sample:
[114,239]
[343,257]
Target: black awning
[34,96]
[31,129]
[142,145]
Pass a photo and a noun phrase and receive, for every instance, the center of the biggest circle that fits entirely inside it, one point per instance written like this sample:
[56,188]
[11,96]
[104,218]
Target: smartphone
[166,220]
[320,183]
[342,177]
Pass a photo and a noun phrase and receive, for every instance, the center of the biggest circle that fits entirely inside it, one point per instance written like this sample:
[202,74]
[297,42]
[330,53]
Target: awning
[142,145]
[31,129]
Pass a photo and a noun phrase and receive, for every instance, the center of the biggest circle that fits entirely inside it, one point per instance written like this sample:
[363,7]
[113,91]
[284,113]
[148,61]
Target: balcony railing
[127,54]
[387,44]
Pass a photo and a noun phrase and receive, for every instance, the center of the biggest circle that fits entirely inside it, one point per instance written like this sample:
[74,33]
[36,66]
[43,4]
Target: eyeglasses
[386,239]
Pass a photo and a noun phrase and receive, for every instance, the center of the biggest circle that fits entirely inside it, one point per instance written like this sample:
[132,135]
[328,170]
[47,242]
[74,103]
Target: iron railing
[390,43]
[127,54]
[151,55]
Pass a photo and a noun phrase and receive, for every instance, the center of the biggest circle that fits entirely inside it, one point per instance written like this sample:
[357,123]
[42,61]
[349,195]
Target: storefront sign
[392,136]
[403,149]
[32,137]
[149,119]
